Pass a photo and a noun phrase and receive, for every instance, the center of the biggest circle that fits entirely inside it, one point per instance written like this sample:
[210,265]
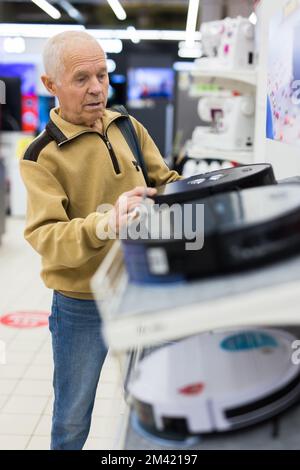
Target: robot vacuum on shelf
[198,186]
[248,378]
[241,229]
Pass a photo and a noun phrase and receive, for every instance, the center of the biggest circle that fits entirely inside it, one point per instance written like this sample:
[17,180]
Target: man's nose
[95,87]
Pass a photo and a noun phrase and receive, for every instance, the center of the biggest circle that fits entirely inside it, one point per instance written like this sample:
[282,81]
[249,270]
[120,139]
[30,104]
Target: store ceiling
[143,14]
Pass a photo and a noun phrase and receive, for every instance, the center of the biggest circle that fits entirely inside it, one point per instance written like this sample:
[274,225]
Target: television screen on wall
[150,83]
[26,73]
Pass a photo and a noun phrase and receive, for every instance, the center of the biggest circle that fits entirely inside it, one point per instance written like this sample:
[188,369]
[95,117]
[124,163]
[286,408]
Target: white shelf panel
[240,157]
[144,315]
[244,76]
[265,308]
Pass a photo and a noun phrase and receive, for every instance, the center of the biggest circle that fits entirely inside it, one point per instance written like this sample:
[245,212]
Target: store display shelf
[242,157]
[260,437]
[143,315]
[245,76]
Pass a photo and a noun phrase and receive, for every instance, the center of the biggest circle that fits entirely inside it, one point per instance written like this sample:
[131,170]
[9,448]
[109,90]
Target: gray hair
[53,54]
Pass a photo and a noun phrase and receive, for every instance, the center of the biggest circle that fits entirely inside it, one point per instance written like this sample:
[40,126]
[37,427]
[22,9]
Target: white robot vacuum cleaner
[215,382]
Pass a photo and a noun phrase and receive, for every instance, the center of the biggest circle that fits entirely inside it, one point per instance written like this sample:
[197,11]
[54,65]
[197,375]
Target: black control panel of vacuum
[220,181]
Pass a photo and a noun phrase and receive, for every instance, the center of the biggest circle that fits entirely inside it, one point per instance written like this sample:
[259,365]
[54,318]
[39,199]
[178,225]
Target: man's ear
[49,84]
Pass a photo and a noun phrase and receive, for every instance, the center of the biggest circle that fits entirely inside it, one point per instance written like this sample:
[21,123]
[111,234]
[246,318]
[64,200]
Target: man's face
[82,87]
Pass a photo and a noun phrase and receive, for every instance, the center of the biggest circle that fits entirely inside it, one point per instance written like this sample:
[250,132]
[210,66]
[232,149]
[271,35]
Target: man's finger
[141,191]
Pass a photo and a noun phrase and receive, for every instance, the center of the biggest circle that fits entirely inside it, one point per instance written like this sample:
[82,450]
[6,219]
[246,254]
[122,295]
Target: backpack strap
[130,135]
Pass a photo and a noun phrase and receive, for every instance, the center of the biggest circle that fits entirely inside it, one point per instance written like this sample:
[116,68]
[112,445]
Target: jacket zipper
[107,143]
[136,165]
[112,154]
[110,149]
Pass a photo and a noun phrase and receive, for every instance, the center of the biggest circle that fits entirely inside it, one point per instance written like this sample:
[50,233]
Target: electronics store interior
[183,245]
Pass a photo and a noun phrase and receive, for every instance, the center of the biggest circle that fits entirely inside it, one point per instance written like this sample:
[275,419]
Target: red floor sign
[25,319]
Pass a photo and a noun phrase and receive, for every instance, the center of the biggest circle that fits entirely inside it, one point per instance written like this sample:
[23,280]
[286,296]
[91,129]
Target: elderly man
[79,162]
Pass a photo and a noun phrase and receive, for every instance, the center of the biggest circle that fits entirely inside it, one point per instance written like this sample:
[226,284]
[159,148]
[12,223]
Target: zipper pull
[108,144]
[135,163]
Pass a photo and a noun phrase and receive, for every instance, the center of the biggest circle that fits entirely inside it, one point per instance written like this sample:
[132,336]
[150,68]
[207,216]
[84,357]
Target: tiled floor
[25,379]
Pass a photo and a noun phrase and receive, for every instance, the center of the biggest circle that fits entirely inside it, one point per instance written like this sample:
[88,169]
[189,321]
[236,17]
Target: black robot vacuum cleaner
[240,229]
[220,181]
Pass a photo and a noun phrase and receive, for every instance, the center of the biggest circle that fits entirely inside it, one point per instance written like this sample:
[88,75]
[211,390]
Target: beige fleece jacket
[68,171]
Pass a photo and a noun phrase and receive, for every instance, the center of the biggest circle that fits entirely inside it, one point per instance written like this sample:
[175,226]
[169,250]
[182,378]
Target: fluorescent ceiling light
[49,30]
[111,46]
[117,8]
[36,30]
[253,18]
[111,65]
[72,11]
[48,8]
[14,45]
[133,34]
[143,34]
[191,22]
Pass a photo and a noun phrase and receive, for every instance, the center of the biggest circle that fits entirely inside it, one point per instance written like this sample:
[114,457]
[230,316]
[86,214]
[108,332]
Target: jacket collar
[62,131]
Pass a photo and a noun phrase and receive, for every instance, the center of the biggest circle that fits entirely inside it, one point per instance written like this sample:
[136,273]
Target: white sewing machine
[232,124]
[228,43]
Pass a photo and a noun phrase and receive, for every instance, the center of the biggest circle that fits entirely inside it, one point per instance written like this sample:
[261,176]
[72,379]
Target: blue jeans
[78,353]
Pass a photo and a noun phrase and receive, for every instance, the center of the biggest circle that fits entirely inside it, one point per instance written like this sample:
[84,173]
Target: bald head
[76,73]
[58,47]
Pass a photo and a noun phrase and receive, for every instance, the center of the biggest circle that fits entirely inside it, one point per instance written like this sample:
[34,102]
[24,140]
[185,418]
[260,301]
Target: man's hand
[125,205]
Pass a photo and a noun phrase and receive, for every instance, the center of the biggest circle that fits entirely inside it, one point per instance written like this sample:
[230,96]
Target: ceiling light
[49,30]
[48,8]
[14,45]
[143,34]
[133,34]
[36,30]
[111,46]
[111,65]
[71,11]
[191,22]
[117,8]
